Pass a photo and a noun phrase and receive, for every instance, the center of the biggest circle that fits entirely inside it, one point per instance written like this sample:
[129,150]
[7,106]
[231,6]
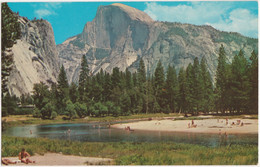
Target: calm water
[94,132]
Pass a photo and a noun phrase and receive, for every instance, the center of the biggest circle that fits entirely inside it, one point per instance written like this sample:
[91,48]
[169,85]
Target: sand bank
[250,126]
[49,159]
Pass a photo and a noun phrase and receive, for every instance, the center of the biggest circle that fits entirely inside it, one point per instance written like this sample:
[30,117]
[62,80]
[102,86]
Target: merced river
[100,132]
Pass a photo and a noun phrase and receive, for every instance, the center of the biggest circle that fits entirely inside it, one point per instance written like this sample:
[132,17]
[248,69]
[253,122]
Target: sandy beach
[250,126]
[49,159]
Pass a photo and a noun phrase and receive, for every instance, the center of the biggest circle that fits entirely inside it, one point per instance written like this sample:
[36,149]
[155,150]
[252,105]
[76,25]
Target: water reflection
[94,132]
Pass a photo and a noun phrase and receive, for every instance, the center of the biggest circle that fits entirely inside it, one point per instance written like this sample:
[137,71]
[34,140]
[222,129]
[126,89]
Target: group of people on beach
[192,125]
[23,157]
[239,123]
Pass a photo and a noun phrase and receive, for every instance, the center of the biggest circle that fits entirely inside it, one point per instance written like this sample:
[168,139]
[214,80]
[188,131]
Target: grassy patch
[127,153]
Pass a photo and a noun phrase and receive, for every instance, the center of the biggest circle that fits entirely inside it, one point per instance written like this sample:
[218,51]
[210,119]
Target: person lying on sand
[194,125]
[23,157]
[128,128]
[6,161]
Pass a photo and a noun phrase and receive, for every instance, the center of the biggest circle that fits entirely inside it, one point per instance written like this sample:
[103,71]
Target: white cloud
[46,9]
[54,5]
[218,15]
[42,13]
[240,20]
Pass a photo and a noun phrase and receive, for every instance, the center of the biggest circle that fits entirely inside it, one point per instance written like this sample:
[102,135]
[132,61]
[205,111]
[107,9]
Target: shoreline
[205,126]
[117,122]
[122,153]
[54,159]
[187,132]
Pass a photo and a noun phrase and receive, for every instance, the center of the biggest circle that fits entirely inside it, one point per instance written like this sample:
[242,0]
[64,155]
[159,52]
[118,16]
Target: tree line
[191,91]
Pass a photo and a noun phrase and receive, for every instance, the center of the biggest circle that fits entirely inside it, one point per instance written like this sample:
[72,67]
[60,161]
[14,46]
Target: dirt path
[59,159]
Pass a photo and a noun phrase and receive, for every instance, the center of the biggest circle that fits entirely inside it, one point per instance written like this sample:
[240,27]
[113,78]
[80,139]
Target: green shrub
[37,113]
[47,110]
[81,109]
[53,115]
[98,109]
[70,110]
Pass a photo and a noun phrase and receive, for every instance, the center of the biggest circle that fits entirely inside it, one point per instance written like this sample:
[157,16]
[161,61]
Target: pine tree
[62,90]
[73,92]
[190,103]
[107,87]
[125,103]
[207,87]
[135,80]
[96,90]
[101,77]
[138,95]
[171,88]
[197,83]
[253,77]
[182,101]
[141,75]
[83,78]
[62,79]
[129,81]
[159,85]
[115,78]
[11,31]
[221,78]
[240,83]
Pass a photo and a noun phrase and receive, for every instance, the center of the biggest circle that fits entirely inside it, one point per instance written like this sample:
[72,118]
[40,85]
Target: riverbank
[50,159]
[19,120]
[216,126]
[128,153]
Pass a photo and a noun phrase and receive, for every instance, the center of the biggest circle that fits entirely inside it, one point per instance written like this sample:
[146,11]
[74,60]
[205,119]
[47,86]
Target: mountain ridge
[35,57]
[115,39]
[174,43]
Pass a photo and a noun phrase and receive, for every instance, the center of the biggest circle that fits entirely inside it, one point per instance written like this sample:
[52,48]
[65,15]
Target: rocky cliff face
[115,38]
[35,57]
[120,35]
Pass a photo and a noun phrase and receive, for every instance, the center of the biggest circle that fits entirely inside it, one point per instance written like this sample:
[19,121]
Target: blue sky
[68,18]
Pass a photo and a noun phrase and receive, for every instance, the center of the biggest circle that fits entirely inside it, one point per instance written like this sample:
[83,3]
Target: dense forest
[234,89]
[124,93]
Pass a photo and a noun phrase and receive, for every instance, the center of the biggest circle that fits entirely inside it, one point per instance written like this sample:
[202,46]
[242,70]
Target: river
[99,132]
